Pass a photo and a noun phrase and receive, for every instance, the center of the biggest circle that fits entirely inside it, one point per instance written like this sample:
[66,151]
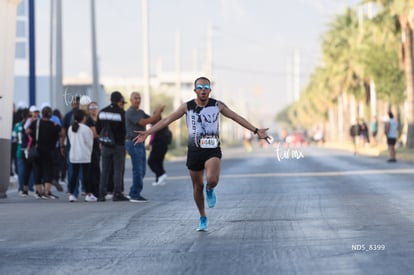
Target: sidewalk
[379,151]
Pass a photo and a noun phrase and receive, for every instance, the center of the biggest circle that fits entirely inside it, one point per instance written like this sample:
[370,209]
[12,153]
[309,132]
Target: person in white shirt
[80,154]
[391,131]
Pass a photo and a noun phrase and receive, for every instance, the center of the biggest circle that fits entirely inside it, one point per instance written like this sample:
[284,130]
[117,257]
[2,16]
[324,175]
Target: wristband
[255,131]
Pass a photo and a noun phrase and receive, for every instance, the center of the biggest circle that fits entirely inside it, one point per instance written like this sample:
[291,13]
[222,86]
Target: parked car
[296,138]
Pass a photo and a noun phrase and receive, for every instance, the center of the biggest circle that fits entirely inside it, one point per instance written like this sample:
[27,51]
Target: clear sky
[253,41]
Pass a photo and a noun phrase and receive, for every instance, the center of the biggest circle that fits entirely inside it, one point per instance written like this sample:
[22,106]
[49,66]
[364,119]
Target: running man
[204,153]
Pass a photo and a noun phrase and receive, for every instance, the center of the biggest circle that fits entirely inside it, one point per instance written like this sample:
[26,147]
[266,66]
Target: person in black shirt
[61,164]
[355,132]
[46,138]
[159,146]
[95,170]
[111,128]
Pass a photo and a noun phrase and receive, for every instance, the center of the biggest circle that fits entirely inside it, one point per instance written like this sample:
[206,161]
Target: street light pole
[95,87]
[178,94]
[146,54]
[32,54]
[51,54]
[59,104]
[209,53]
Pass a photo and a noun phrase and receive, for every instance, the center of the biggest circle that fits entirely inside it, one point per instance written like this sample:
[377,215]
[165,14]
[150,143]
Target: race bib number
[209,142]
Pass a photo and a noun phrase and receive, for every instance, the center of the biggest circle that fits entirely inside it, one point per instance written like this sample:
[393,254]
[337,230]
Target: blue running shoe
[203,224]
[211,197]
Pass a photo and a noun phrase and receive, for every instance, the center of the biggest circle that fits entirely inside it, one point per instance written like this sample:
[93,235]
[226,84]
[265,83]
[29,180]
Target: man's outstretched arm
[142,135]
[227,112]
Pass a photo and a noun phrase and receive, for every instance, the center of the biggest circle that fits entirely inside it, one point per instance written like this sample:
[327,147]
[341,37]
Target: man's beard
[203,98]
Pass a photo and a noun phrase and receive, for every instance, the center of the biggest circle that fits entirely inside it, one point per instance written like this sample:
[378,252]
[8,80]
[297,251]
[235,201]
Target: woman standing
[159,146]
[94,170]
[80,154]
[391,132]
[45,134]
[19,137]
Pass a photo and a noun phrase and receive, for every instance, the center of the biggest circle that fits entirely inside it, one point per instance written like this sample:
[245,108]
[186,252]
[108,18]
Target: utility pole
[51,55]
[59,104]
[95,86]
[209,53]
[195,61]
[289,81]
[296,75]
[178,95]
[32,54]
[146,54]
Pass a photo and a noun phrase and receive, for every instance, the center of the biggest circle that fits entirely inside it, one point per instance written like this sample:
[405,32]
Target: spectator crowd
[83,151]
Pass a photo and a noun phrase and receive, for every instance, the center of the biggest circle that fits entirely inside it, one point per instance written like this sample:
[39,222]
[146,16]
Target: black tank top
[203,124]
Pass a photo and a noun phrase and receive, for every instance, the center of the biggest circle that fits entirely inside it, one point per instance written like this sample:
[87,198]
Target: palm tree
[380,57]
[339,74]
[351,58]
[341,59]
[403,11]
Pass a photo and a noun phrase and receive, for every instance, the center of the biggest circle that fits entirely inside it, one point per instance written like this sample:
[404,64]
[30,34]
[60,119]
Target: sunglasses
[200,87]
[93,107]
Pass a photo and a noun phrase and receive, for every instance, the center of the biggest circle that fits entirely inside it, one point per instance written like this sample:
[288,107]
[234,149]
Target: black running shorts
[197,157]
[391,141]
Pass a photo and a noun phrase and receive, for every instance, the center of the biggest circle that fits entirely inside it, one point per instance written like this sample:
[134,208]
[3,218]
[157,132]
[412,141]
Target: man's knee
[198,186]
[212,180]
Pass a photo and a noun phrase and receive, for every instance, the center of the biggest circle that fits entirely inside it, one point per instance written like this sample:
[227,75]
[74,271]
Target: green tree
[341,54]
[403,11]
[383,65]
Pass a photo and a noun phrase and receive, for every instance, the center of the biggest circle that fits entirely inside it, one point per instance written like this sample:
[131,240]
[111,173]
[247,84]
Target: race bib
[209,142]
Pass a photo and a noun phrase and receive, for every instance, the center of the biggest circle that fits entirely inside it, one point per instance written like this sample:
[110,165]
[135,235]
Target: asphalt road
[319,211]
